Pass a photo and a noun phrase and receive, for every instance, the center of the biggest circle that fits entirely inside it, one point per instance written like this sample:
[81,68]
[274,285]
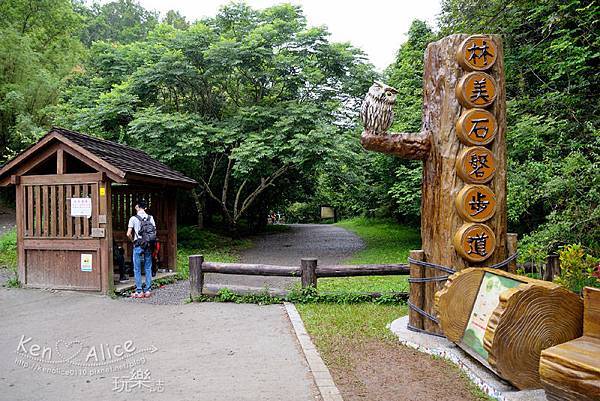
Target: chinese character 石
[478,203]
[479,52]
[480,91]
[478,162]
[477,244]
[476,128]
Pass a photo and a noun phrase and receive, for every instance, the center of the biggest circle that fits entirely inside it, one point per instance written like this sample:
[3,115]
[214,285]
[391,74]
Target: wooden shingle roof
[122,161]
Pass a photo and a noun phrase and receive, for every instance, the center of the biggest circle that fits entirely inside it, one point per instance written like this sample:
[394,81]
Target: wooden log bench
[571,371]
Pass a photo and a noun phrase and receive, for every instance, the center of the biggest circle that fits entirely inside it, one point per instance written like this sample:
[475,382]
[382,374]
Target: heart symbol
[68,350]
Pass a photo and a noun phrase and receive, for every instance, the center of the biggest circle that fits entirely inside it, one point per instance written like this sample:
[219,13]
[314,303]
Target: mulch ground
[386,371]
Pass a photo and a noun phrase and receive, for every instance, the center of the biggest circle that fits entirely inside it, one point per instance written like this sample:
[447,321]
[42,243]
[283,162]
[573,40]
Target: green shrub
[8,249]
[578,269]
[300,212]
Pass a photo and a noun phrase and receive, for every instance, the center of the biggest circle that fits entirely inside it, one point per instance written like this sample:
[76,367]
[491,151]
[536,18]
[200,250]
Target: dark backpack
[147,232]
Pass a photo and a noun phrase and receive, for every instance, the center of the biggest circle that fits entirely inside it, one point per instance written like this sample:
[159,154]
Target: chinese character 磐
[476,128]
[479,52]
[478,203]
[478,162]
[480,91]
[477,244]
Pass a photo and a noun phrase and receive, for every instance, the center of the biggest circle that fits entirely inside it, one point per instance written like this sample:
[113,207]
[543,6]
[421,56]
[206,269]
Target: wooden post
[106,244]
[20,217]
[552,267]
[196,276]
[172,229]
[439,146]
[416,290]
[308,273]
[511,243]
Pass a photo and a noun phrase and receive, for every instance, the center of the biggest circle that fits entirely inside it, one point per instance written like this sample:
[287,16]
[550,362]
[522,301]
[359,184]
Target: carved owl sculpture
[376,111]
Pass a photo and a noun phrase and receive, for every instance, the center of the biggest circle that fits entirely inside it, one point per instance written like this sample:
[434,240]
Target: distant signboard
[492,285]
[327,212]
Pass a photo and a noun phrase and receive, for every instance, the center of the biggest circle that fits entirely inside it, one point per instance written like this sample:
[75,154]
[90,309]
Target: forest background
[262,109]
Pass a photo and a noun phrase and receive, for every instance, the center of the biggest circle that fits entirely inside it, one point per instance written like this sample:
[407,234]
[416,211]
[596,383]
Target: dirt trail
[329,244]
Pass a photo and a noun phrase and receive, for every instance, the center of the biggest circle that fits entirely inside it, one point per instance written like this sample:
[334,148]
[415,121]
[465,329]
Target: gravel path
[329,244]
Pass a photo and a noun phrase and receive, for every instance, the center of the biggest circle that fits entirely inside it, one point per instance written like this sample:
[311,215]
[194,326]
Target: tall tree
[239,100]
[38,48]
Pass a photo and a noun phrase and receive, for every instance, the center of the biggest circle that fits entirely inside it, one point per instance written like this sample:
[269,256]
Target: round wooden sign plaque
[476,165]
[476,89]
[474,242]
[476,127]
[476,203]
[477,52]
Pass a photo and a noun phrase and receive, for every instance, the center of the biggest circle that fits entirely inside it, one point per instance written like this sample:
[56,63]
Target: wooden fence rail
[308,271]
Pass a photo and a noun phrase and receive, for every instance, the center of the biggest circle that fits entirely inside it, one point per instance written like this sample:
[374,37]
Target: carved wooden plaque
[476,165]
[476,203]
[476,127]
[476,89]
[475,242]
[477,52]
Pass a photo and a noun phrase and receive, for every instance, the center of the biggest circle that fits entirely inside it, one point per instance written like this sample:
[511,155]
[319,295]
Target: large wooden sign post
[462,145]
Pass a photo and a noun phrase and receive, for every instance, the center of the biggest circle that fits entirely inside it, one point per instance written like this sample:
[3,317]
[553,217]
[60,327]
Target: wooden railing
[308,271]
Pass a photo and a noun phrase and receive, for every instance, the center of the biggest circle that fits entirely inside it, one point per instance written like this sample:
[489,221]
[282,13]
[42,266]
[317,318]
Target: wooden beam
[61,179]
[251,269]
[362,270]
[60,162]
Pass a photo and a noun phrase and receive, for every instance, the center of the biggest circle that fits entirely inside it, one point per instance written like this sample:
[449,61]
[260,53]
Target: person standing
[142,231]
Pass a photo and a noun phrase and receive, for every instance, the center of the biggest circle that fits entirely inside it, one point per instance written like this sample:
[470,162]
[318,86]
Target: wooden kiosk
[74,196]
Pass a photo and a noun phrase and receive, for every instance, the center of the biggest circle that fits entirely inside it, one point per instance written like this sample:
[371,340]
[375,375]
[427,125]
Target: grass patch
[215,247]
[385,242]
[8,249]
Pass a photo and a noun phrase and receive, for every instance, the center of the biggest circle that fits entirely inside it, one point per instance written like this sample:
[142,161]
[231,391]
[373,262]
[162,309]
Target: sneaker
[124,279]
[147,294]
[137,295]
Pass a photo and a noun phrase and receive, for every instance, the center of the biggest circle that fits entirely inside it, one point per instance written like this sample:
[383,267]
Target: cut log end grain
[529,319]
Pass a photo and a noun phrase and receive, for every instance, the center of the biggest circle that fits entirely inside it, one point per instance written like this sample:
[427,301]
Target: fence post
[552,267]
[308,272]
[196,276]
[511,239]
[417,290]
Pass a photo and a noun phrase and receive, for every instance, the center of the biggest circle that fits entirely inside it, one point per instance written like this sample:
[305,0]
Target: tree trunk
[199,201]
[439,146]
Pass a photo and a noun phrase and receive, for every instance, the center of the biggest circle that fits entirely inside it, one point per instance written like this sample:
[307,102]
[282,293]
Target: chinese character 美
[476,128]
[480,91]
[477,244]
[478,162]
[479,52]
[478,204]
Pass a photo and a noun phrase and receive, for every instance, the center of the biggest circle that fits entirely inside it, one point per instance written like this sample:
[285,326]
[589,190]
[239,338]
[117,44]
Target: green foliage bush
[8,249]
[578,269]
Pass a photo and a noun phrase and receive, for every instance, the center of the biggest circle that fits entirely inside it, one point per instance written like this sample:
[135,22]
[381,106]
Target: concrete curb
[319,371]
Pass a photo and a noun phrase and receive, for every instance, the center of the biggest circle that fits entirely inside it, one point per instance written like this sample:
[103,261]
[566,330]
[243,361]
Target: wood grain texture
[453,315]
[530,318]
[591,312]
[416,290]
[406,146]
[571,371]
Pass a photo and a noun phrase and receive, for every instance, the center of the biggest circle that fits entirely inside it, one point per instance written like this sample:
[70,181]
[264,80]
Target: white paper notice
[86,262]
[81,207]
